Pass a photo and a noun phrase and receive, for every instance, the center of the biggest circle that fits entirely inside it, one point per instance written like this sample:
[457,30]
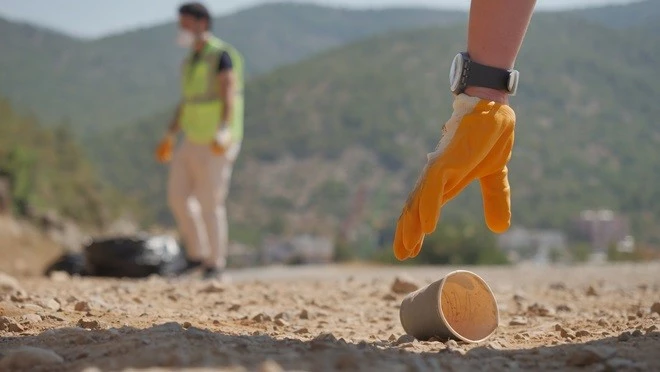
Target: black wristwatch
[465,72]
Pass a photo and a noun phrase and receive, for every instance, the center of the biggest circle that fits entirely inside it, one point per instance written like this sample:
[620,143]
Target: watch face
[512,85]
[455,72]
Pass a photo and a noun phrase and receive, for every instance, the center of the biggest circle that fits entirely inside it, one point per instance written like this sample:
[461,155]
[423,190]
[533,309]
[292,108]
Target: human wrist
[488,94]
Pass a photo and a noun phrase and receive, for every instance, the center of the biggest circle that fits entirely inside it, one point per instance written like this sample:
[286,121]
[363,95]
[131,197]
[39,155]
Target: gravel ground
[587,318]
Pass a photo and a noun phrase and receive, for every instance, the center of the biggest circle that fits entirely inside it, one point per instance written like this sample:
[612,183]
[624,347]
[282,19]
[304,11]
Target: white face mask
[185,39]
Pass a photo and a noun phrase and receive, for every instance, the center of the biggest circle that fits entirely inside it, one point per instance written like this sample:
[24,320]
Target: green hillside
[49,171]
[127,77]
[105,82]
[365,115]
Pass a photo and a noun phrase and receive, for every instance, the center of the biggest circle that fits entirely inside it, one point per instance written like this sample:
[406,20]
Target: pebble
[9,284]
[559,286]
[89,324]
[50,304]
[625,336]
[403,284]
[281,322]
[304,314]
[82,306]
[8,324]
[389,297]
[282,315]
[589,355]
[301,331]
[187,325]
[603,323]
[261,317]
[655,308]
[518,321]
[582,333]
[591,291]
[270,366]
[540,310]
[213,288]
[404,339]
[27,358]
[651,329]
[637,333]
[31,318]
[564,308]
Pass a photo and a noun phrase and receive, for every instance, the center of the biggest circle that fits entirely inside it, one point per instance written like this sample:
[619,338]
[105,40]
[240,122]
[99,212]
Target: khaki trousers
[198,185]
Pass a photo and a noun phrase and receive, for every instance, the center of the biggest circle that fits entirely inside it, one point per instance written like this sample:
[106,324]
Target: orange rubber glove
[165,149]
[222,140]
[476,144]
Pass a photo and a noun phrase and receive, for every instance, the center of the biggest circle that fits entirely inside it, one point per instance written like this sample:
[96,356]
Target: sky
[95,18]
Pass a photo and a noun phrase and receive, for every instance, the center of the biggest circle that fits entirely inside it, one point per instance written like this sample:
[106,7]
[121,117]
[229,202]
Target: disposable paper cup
[459,306]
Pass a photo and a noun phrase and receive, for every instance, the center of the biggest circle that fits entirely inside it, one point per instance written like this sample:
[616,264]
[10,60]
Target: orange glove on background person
[222,140]
[165,149]
[476,145]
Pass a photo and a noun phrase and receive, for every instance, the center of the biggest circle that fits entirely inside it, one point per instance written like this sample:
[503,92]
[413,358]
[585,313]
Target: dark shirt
[224,64]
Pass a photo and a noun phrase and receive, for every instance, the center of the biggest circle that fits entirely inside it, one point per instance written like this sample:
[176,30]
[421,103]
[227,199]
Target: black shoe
[192,264]
[214,273]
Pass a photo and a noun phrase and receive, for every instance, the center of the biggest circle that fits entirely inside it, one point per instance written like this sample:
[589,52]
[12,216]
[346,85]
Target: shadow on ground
[172,346]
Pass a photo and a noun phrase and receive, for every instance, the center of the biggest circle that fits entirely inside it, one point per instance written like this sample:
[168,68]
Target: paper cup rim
[442,315]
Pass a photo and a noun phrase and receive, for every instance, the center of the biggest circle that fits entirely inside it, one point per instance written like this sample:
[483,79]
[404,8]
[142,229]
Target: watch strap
[479,75]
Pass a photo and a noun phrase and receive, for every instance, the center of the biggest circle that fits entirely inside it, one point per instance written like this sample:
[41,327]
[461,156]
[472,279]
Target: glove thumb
[496,194]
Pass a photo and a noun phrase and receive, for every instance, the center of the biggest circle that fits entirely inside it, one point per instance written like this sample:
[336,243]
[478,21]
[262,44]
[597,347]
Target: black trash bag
[135,257]
[72,263]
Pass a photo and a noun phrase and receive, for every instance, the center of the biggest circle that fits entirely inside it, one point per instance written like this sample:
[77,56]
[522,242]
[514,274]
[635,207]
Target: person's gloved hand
[222,140]
[476,145]
[165,149]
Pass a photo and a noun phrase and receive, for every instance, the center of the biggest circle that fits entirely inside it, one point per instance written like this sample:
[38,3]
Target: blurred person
[477,140]
[210,115]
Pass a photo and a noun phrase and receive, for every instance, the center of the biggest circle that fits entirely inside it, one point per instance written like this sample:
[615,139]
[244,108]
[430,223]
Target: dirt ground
[588,318]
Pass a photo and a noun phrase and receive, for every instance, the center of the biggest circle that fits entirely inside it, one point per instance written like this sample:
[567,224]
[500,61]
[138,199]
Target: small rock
[282,315]
[50,304]
[304,314]
[564,308]
[27,358]
[8,324]
[518,321]
[89,324]
[591,291]
[559,286]
[389,297]
[327,337]
[404,285]
[187,325]
[59,276]
[651,329]
[9,284]
[82,306]
[31,318]
[281,322]
[261,317]
[589,355]
[519,298]
[270,366]
[452,344]
[234,307]
[655,308]
[632,317]
[392,338]
[301,331]
[582,333]
[625,336]
[603,323]
[637,333]
[540,310]
[404,339]
[213,288]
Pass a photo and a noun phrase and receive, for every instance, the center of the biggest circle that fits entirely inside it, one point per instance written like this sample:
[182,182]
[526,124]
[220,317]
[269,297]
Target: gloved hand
[222,140]
[476,144]
[165,149]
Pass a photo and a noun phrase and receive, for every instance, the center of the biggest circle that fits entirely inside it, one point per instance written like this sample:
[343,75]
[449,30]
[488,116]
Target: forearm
[495,34]
[228,108]
[174,124]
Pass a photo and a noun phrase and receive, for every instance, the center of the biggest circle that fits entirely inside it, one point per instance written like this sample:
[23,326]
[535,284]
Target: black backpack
[134,257]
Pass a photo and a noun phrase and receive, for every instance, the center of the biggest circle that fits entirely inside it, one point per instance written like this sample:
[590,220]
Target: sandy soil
[592,318]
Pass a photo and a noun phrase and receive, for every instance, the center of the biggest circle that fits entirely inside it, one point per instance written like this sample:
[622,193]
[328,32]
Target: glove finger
[418,247]
[496,194]
[400,251]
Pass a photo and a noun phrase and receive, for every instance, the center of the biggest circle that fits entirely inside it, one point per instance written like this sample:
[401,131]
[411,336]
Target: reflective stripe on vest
[202,108]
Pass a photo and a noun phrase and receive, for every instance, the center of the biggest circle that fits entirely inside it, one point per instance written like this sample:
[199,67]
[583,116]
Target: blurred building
[604,229]
[533,245]
[301,249]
